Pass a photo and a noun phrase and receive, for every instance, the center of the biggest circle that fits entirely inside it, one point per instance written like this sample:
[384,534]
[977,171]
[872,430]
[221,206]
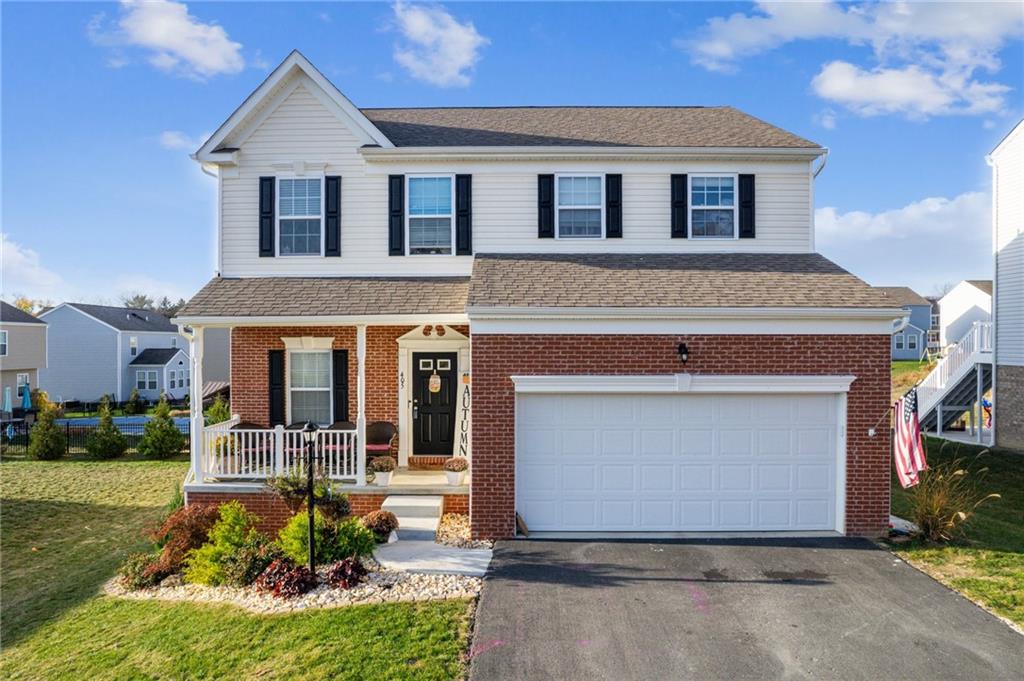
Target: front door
[433,402]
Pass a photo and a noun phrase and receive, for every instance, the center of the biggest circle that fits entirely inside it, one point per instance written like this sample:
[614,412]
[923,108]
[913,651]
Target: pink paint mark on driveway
[481,648]
[700,599]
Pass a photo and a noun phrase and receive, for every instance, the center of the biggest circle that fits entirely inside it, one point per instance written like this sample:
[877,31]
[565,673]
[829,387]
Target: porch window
[22,382]
[580,202]
[145,379]
[309,387]
[430,215]
[713,207]
[300,209]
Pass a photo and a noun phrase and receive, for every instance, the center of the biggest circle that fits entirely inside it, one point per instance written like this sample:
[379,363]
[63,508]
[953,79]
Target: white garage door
[636,463]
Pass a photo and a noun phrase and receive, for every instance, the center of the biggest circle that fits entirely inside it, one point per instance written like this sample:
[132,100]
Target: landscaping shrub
[184,530]
[285,579]
[456,464]
[346,573]
[219,411]
[294,538]
[137,571]
[245,565]
[161,438]
[944,500]
[381,523]
[47,440]
[134,405]
[233,530]
[106,441]
[353,540]
[383,464]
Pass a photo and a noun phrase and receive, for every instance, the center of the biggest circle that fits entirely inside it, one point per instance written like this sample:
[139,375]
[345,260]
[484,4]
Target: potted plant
[455,470]
[382,467]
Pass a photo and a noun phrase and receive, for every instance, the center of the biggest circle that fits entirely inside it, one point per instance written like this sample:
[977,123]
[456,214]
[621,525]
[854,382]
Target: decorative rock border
[453,530]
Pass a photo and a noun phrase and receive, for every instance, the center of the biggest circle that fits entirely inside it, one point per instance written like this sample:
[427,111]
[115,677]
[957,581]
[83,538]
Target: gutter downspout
[990,162]
[824,162]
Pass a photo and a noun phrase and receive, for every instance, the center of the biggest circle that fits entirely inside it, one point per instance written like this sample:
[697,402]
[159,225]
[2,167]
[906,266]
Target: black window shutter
[332,216]
[613,206]
[746,206]
[340,385]
[396,214]
[679,206]
[463,215]
[267,216]
[275,362]
[546,206]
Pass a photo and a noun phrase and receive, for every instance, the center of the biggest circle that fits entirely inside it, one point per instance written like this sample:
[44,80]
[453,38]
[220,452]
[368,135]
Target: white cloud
[438,50]
[176,139]
[826,118]
[931,217]
[927,54]
[173,40]
[22,272]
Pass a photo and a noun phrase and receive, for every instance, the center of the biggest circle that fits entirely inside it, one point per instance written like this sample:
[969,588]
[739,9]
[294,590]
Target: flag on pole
[908,451]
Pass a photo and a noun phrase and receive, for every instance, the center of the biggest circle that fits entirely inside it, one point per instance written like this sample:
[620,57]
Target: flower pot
[455,477]
[382,479]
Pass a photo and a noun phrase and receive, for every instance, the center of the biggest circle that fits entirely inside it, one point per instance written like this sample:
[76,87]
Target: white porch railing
[258,453]
[951,367]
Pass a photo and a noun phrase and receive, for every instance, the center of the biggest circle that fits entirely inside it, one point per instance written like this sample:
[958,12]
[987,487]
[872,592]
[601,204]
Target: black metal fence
[14,437]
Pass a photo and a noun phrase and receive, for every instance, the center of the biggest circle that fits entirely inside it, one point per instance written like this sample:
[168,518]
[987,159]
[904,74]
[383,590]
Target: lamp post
[309,437]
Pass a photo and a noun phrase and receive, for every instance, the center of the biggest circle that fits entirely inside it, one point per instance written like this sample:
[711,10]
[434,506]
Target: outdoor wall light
[684,353]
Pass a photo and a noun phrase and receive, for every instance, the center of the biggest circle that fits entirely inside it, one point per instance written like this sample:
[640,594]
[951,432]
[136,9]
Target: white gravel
[453,530]
[379,586]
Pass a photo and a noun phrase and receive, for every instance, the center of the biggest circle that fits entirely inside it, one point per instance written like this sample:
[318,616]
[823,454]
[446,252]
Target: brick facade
[497,357]
[1009,405]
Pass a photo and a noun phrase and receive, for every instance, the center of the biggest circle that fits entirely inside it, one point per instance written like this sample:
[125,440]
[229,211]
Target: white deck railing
[259,453]
[951,367]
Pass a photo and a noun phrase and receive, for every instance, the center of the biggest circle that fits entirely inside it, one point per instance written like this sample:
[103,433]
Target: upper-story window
[580,206]
[431,223]
[133,345]
[713,207]
[3,343]
[300,216]
[935,321]
[174,342]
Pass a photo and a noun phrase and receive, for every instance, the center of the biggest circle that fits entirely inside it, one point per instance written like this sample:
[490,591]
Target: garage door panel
[630,469]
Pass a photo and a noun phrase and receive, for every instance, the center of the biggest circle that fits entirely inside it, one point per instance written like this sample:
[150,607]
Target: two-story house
[616,313]
[910,342]
[22,352]
[966,304]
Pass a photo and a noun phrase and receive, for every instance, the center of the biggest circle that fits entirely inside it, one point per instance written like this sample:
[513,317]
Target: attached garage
[680,453]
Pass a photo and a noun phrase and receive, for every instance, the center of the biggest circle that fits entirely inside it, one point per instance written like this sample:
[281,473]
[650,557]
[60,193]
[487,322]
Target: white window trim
[18,383]
[912,342]
[330,381]
[145,373]
[4,342]
[899,341]
[409,216]
[558,221]
[133,345]
[278,217]
[735,207]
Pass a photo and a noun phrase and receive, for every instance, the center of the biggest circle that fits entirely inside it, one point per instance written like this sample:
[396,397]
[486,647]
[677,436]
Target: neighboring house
[160,371]
[934,344]
[616,313]
[1007,161]
[968,302]
[911,342]
[22,351]
[93,350]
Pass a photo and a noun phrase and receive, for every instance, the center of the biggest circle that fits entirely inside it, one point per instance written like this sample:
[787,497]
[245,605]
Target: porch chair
[379,436]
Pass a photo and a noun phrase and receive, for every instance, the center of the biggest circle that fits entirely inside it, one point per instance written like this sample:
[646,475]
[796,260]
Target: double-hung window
[300,216]
[22,384]
[899,341]
[3,343]
[580,206]
[172,379]
[309,387]
[431,222]
[911,342]
[133,345]
[145,379]
[713,206]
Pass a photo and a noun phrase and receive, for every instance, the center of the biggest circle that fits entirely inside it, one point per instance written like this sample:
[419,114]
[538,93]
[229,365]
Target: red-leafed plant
[285,579]
[346,573]
[182,531]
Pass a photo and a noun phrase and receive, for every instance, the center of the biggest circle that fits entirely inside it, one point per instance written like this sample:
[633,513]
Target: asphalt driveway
[736,609]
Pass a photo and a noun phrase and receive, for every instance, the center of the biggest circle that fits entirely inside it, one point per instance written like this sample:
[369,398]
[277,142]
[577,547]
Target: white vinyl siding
[1008,202]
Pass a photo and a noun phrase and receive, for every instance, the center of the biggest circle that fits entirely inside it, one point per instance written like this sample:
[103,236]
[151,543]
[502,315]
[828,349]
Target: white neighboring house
[1007,161]
[968,302]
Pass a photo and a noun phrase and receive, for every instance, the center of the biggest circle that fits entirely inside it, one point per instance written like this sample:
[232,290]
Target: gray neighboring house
[22,351]
[93,350]
[912,342]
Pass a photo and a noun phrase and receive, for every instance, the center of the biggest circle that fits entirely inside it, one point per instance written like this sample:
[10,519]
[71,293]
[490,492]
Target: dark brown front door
[433,411]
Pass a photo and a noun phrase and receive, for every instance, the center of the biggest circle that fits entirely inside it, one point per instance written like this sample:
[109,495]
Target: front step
[418,516]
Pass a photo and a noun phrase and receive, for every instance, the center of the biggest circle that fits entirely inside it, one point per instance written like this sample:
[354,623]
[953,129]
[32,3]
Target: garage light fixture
[684,353]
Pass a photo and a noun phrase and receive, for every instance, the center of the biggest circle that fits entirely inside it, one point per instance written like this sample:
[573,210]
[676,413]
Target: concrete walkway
[429,557]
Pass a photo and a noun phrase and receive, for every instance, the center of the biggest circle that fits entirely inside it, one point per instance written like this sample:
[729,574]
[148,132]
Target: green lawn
[906,374]
[66,527]
[988,565]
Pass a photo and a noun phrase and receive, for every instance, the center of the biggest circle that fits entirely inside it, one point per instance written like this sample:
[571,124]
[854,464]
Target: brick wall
[1009,406]
[496,357]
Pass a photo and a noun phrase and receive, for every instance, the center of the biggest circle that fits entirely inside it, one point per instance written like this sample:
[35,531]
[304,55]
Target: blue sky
[103,102]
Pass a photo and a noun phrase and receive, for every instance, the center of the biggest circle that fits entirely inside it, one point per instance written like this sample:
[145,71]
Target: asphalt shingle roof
[623,126]
[900,296]
[11,314]
[309,296]
[984,285]
[668,280]
[155,356]
[126,318]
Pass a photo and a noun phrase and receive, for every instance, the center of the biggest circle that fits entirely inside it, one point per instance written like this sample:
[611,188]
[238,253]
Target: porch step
[422,529]
[414,506]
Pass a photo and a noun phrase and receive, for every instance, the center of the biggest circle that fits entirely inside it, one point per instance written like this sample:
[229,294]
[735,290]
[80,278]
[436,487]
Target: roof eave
[598,152]
[489,312]
[322,320]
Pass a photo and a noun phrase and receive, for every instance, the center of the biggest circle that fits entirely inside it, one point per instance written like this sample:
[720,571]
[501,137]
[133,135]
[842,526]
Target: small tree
[161,438]
[219,411]
[47,441]
[106,442]
[134,403]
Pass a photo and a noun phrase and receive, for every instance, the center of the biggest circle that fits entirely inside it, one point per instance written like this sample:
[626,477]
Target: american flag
[908,452]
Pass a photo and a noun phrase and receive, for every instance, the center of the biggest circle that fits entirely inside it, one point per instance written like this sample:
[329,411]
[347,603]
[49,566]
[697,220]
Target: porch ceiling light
[684,353]
[309,432]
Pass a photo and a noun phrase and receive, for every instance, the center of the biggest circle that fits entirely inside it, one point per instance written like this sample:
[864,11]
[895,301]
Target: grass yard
[988,566]
[906,374]
[67,525]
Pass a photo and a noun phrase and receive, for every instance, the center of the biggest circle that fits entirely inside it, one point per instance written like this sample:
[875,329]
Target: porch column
[361,406]
[981,394]
[195,403]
